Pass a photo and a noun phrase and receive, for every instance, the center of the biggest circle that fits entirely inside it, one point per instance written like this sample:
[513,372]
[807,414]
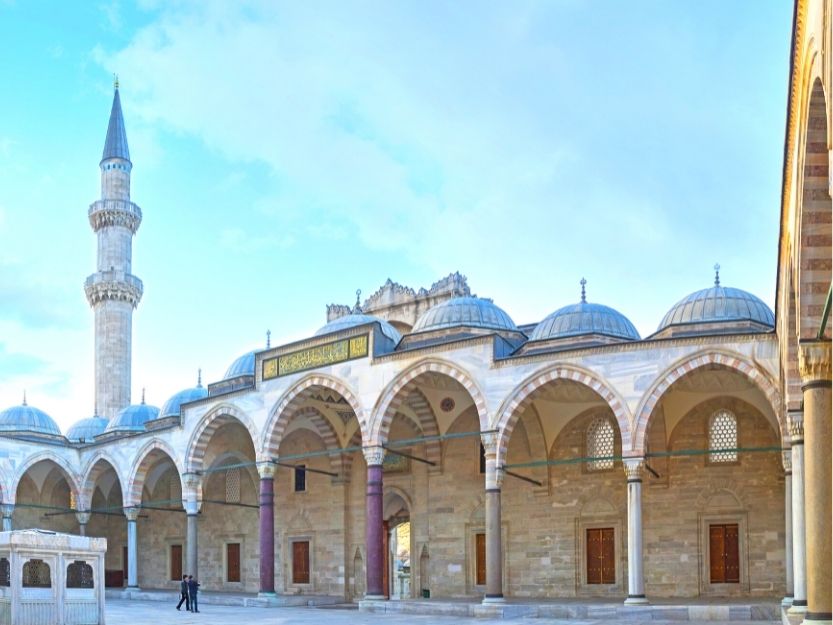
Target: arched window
[5,572]
[233,486]
[79,575]
[601,438]
[36,574]
[723,435]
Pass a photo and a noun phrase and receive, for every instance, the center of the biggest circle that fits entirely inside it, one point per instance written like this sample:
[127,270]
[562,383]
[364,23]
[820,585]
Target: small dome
[718,304]
[585,318]
[29,419]
[472,312]
[245,365]
[171,408]
[357,319]
[133,418]
[86,429]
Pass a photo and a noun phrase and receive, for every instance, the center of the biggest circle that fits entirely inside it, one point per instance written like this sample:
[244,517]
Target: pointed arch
[214,419]
[325,430]
[69,473]
[398,390]
[97,465]
[428,425]
[283,409]
[515,404]
[139,471]
[732,361]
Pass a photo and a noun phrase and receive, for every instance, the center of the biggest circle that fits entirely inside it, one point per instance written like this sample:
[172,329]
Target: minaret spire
[115,145]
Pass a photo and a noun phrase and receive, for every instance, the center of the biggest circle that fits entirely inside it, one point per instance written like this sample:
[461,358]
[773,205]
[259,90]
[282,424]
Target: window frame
[710,460]
[588,466]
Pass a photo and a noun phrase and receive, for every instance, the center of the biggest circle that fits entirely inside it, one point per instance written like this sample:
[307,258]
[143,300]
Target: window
[300,562]
[300,478]
[601,439]
[601,556]
[233,486]
[480,559]
[723,434]
[79,575]
[176,563]
[36,574]
[72,500]
[482,458]
[724,560]
[5,572]
[233,562]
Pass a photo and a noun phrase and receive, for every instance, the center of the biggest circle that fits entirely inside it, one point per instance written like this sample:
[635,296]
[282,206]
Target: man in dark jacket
[183,590]
[193,589]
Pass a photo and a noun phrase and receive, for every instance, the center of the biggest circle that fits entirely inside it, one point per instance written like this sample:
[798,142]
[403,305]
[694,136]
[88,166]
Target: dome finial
[199,378]
[143,395]
[357,309]
[24,397]
[583,294]
[115,81]
[268,339]
[717,274]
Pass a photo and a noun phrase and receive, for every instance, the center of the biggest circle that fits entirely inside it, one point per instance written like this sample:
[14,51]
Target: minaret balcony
[104,213]
[113,285]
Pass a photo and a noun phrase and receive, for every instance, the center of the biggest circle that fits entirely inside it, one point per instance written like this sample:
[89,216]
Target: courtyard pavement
[124,612]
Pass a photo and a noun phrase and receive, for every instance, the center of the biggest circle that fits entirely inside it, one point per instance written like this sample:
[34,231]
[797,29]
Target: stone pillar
[814,366]
[8,511]
[374,456]
[267,528]
[636,577]
[795,421]
[191,483]
[132,515]
[494,551]
[83,518]
[786,458]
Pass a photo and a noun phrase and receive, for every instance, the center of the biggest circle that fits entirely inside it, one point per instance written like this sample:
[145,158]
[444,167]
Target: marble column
[814,366]
[132,515]
[83,518]
[374,456]
[494,550]
[795,421]
[8,511]
[191,483]
[267,528]
[636,578]
[786,458]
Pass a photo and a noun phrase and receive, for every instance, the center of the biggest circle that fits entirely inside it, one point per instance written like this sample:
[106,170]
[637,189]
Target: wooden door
[480,559]
[176,563]
[601,556]
[233,562]
[386,558]
[300,562]
[724,557]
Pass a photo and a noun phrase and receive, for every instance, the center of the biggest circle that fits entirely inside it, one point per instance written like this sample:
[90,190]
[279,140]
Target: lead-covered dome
[356,318]
[133,418]
[718,304]
[471,312]
[244,365]
[173,407]
[86,429]
[26,418]
[582,319]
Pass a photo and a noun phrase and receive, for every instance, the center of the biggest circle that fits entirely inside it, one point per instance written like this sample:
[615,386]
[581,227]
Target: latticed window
[233,486]
[601,439]
[723,435]
[36,574]
[79,575]
[5,572]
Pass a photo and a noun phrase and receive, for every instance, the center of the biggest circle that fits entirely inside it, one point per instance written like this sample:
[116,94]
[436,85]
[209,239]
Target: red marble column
[267,529]
[373,524]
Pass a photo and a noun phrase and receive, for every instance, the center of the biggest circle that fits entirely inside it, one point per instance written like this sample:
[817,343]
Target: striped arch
[282,412]
[94,469]
[71,476]
[324,429]
[213,420]
[400,388]
[355,441]
[514,406]
[428,424]
[735,362]
[153,450]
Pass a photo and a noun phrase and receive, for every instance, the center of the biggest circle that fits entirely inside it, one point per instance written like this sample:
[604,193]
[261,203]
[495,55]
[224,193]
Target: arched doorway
[397,523]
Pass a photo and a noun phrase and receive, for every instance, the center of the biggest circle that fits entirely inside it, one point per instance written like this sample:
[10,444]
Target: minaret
[113,291]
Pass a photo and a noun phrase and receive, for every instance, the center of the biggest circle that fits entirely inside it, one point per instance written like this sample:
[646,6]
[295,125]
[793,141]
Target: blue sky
[286,154]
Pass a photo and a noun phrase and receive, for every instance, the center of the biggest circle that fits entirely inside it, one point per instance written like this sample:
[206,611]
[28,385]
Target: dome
[86,429]
[717,304]
[245,365]
[357,319]
[585,318]
[27,418]
[472,312]
[133,418]
[171,408]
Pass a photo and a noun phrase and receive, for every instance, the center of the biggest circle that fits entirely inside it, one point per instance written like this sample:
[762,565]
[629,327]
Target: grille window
[723,435]
[600,444]
[233,486]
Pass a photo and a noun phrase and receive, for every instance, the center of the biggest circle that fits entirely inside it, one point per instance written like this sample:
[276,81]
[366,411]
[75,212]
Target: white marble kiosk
[47,578]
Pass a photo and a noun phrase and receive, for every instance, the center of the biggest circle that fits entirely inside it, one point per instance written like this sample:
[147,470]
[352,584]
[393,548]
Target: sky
[286,154]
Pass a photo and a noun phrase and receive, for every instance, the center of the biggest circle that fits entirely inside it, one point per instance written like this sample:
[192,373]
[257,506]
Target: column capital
[374,455]
[82,517]
[814,361]
[787,461]
[633,468]
[267,470]
[132,513]
[795,424]
[8,509]
[489,440]
[192,481]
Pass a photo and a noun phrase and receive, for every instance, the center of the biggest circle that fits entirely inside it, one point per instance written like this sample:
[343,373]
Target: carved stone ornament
[266,470]
[374,456]
[104,213]
[814,361]
[8,510]
[795,422]
[132,514]
[111,285]
[489,441]
[787,461]
[633,468]
[82,517]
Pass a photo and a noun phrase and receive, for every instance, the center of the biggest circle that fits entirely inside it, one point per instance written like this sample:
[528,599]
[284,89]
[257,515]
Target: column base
[492,599]
[822,619]
[375,598]
[798,607]
[636,600]
[786,601]
[267,595]
[132,588]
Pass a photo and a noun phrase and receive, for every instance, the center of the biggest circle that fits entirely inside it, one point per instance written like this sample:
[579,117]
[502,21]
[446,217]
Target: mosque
[422,444]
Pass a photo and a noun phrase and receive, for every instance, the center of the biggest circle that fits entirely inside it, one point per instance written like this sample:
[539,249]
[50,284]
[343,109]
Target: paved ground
[121,612]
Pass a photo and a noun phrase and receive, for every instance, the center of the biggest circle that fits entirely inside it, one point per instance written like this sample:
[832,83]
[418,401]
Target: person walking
[183,591]
[193,589]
